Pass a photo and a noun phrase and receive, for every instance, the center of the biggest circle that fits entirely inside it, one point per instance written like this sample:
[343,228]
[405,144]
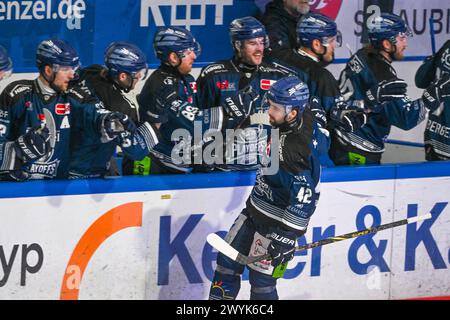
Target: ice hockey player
[224,79]
[437,131]
[177,50]
[370,82]
[169,98]
[38,116]
[124,65]
[318,38]
[280,206]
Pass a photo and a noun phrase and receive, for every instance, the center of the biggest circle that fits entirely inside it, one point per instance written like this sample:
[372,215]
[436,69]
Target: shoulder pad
[269,69]
[356,64]
[81,92]
[212,69]
[15,90]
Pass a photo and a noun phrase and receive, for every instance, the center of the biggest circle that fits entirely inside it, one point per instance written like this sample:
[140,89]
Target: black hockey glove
[349,119]
[319,114]
[282,247]
[115,123]
[240,106]
[436,92]
[384,91]
[33,145]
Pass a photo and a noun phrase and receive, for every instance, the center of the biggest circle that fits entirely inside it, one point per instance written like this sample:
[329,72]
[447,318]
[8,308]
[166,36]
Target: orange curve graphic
[121,217]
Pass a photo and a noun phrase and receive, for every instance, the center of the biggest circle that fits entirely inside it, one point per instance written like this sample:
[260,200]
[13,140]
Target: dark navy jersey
[321,83]
[224,79]
[437,131]
[280,26]
[90,157]
[162,79]
[24,103]
[365,69]
[289,197]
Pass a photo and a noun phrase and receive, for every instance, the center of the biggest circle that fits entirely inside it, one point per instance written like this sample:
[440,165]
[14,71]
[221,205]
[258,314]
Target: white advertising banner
[151,244]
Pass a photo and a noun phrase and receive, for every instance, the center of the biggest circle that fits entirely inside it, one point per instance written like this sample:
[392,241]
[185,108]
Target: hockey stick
[222,246]
[432,36]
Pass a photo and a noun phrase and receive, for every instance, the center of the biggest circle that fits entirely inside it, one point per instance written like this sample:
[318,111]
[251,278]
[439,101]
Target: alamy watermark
[249,147]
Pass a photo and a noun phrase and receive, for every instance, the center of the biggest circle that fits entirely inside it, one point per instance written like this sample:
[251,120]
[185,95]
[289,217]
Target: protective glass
[5,74]
[66,69]
[337,40]
[140,75]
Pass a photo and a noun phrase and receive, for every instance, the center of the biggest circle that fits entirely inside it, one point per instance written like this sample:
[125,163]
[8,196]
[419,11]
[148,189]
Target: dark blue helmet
[386,26]
[289,92]
[125,57]
[317,26]
[174,39]
[247,28]
[56,52]
[5,63]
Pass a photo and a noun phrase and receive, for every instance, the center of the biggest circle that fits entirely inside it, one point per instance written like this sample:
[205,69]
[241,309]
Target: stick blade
[419,218]
[222,246]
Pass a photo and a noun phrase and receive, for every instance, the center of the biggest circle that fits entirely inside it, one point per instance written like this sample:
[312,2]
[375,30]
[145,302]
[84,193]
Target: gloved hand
[115,123]
[33,145]
[436,92]
[282,247]
[350,119]
[384,91]
[319,114]
[240,106]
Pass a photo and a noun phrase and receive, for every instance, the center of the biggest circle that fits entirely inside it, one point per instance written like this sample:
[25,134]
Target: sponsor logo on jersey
[168,81]
[19,89]
[193,86]
[226,85]
[62,109]
[41,117]
[211,68]
[266,83]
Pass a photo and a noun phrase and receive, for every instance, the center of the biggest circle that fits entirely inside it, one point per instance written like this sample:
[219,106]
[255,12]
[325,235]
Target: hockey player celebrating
[177,50]
[370,81]
[437,131]
[124,65]
[280,206]
[224,79]
[318,37]
[169,98]
[38,116]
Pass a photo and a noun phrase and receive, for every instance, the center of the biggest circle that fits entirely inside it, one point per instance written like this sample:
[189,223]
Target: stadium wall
[144,238]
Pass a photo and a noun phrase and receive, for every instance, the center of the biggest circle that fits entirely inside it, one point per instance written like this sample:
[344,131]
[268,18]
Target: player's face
[252,51]
[187,61]
[401,45]
[125,79]
[277,114]
[331,45]
[63,75]
[296,7]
